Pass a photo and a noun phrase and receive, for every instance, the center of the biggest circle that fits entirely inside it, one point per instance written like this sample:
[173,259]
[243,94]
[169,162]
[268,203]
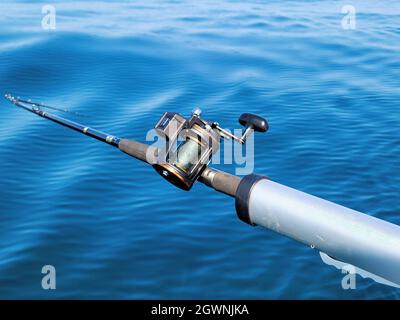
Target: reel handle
[257,123]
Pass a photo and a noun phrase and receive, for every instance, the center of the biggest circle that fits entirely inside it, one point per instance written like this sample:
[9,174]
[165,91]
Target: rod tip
[10,98]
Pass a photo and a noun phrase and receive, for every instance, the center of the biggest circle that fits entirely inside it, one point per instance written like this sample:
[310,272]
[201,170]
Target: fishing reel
[191,143]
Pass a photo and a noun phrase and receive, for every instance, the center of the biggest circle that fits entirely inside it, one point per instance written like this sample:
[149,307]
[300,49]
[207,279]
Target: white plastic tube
[344,234]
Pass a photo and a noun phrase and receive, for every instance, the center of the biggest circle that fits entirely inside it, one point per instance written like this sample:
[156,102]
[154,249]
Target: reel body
[190,144]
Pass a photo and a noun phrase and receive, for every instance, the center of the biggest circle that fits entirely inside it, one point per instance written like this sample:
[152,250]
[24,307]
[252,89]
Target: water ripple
[111,227]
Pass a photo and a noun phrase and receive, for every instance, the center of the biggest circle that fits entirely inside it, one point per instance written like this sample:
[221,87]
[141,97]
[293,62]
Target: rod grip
[138,150]
[220,181]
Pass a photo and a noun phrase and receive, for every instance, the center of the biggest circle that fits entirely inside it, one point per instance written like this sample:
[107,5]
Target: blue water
[111,227]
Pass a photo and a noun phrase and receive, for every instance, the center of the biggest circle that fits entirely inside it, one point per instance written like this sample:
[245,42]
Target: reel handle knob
[257,123]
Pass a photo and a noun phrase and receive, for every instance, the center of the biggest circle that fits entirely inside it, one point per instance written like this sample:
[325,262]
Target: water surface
[109,224]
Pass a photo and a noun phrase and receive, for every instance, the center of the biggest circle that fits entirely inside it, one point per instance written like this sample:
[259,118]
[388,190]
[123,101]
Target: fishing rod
[342,235]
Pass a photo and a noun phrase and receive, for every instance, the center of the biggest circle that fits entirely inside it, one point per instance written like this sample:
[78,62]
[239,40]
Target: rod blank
[36,109]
